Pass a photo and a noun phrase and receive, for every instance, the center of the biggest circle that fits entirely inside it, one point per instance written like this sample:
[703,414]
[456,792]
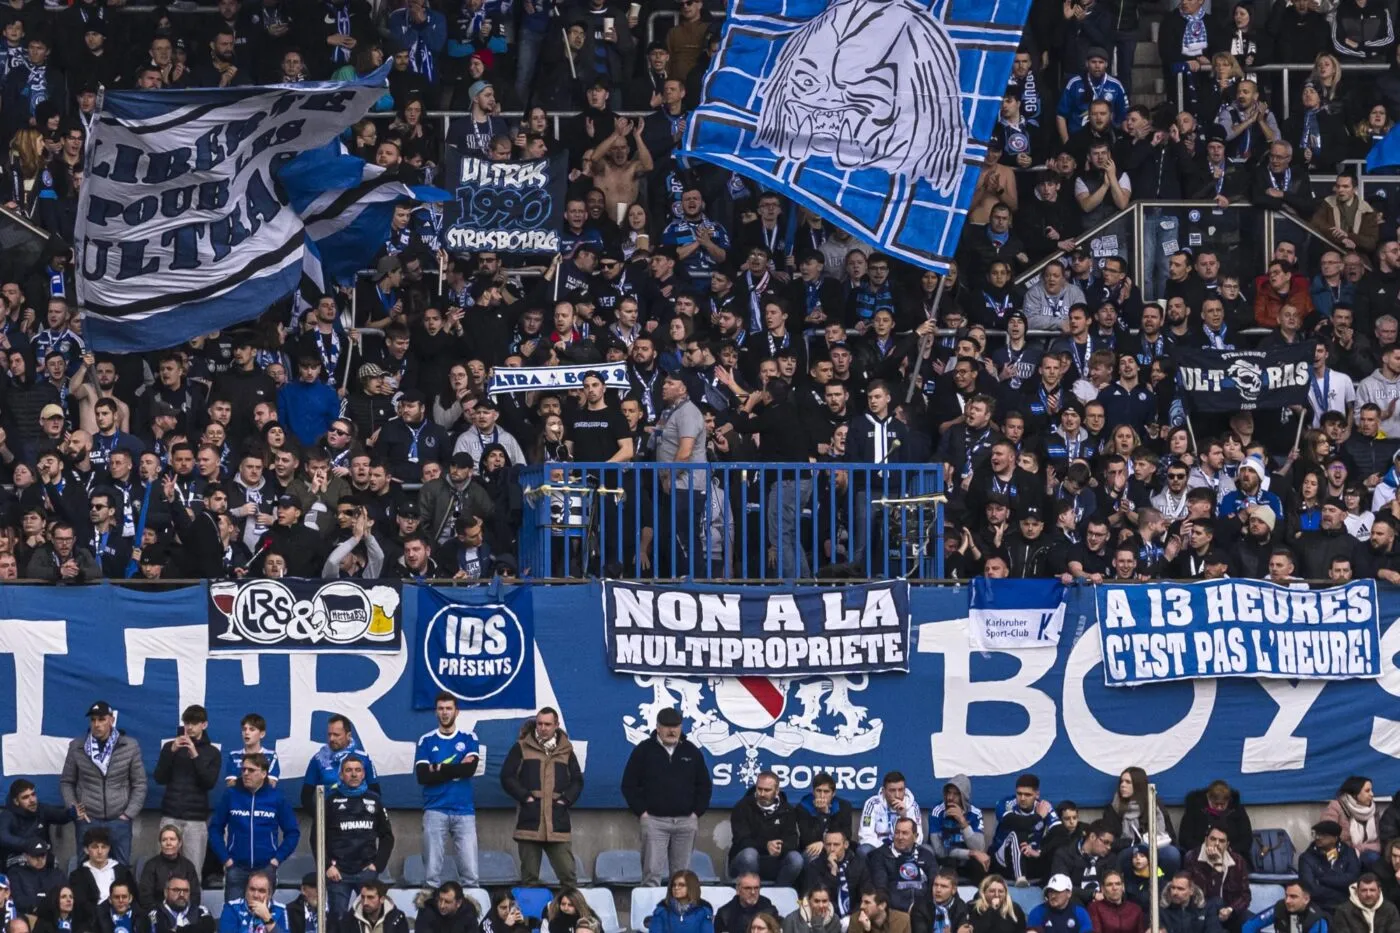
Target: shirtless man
[612,171]
[101,383]
[997,184]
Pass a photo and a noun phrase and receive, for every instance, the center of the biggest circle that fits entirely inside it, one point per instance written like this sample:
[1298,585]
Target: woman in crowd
[683,910]
[1354,809]
[1126,814]
[569,912]
[993,910]
[504,916]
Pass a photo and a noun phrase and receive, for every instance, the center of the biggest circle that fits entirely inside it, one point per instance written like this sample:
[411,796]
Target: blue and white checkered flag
[874,113]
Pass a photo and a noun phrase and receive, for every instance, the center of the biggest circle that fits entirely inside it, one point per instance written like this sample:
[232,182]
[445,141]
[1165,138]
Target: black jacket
[895,874]
[1084,871]
[140,920]
[666,784]
[818,875]
[465,920]
[813,824]
[754,829]
[19,827]
[158,870]
[358,832]
[198,919]
[187,780]
[29,887]
[736,918]
[297,914]
[924,917]
[85,886]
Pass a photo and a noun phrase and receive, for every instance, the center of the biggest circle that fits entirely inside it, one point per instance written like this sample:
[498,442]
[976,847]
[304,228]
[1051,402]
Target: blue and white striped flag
[181,228]
[1007,614]
[347,206]
[873,113]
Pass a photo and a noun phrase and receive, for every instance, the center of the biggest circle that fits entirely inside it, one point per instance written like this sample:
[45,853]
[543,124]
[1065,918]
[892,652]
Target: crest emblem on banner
[781,716]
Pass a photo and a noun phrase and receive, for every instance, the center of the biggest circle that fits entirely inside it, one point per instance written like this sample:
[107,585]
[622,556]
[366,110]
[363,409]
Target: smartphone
[180,732]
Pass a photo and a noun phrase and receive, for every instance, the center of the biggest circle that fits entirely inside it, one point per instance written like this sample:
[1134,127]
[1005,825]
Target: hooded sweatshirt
[948,837]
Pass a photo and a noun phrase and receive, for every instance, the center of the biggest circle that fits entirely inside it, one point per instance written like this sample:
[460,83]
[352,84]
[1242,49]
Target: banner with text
[477,646]
[504,207]
[1237,628]
[988,714]
[508,379]
[305,615]
[1027,614]
[1243,380]
[755,631]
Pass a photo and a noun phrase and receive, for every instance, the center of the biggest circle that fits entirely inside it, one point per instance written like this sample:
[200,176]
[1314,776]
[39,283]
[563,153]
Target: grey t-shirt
[676,423]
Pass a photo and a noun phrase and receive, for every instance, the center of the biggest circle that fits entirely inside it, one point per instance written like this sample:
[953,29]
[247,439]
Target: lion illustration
[869,84]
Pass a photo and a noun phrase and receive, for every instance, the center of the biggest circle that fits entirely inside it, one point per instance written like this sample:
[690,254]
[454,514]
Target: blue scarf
[340,54]
[421,58]
[36,86]
[101,757]
[1195,35]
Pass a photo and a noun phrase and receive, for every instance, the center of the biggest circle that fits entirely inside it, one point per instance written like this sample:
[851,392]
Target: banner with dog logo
[305,615]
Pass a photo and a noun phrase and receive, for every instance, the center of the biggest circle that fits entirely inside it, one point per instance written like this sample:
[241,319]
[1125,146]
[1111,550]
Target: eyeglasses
[338,432]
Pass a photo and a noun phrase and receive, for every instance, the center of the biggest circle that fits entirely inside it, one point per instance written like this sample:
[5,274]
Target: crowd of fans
[358,437]
[882,865]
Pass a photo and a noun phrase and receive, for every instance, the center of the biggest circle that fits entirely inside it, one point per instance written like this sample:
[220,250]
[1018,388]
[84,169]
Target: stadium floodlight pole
[923,352]
[320,817]
[1155,884]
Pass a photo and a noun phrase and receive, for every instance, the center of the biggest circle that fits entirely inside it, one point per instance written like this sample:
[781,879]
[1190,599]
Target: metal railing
[1134,214]
[722,521]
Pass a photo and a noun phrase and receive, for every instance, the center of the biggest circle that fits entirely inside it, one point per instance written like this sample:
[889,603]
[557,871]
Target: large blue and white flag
[181,227]
[347,206]
[873,113]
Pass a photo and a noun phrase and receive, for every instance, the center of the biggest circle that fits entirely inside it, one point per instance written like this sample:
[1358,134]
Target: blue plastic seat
[619,866]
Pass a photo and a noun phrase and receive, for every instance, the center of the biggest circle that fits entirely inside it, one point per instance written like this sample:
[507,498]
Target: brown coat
[545,782]
[1365,229]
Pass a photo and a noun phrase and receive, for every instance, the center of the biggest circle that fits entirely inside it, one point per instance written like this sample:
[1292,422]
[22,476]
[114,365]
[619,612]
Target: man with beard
[220,70]
[1381,558]
[1250,491]
[1332,539]
[1000,474]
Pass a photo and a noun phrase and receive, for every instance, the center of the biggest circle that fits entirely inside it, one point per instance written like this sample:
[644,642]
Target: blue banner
[182,228]
[988,714]
[1238,628]
[477,647]
[875,114]
[756,631]
[1028,614]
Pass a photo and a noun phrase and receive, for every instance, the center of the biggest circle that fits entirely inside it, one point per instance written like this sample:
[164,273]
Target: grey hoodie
[946,836]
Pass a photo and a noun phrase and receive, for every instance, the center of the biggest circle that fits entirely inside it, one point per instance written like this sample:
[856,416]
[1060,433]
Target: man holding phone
[188,768]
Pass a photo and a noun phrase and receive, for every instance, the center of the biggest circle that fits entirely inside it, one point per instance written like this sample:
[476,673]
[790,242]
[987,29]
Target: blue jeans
[458,829]
[527,55]
[120,831]
[236,879]
[780,869]
[1161,237]
[784,528]
[340,893]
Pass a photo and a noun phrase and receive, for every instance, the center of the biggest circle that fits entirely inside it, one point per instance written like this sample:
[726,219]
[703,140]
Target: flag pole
[133,565]
[1152,856]
[919,363]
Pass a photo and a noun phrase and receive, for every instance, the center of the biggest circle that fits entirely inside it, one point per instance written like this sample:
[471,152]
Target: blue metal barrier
[732,521]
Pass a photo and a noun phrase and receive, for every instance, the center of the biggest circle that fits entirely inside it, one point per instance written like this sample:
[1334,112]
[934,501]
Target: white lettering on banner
[27,750]
[1199,379]
[187,646]
[467,239]
[1106,751]
[390,757]
[783,615]
[954,750]
[1385,733]
[1278,749]
[504,174]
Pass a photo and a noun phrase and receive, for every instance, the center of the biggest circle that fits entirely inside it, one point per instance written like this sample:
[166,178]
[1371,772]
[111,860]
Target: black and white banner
[504,207]
[182,229]
[756,631]
[1243,380]
[508,379]
[305,615]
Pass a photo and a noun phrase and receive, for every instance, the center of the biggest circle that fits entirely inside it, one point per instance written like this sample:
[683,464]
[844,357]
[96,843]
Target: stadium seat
[967,892]
[718,894]
[290,872]
[406,900]
[141,865]
[212,900]
[1026,898]
[533,901]
[414,873]
[1264,896]
[785,899]
[497,867]
[481,898]
[547,875]
[619,866]
[602,903]
[704,867]
[644,901]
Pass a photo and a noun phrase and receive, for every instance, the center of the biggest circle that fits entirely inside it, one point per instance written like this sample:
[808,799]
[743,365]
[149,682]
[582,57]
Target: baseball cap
[285,500]
[463,460]
[1059,883]
[1216,557]
[100,708]
[1335,502]
[37,847]
[50,411]
[476,88]
[409,510]
[1030,511]
[1095,52]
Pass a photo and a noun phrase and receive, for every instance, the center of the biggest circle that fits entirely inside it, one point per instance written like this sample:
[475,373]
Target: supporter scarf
[1361,820]
[329,347]
[413,445]
[1193,40]
[38,85]
[340,54]
[101,756]
[422,58]
[843,890]
[998,238]
[1030,98]
[1312,139]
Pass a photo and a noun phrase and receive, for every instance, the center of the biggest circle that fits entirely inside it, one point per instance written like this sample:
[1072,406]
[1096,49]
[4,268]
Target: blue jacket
[1329,881]
[251,822]
[236,918]
[1073,918]
[697,919]
[307,409]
